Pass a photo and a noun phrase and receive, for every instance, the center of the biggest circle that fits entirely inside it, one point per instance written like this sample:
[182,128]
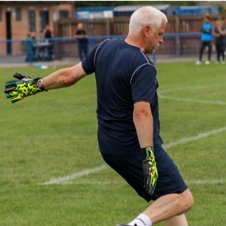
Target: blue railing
[34,50]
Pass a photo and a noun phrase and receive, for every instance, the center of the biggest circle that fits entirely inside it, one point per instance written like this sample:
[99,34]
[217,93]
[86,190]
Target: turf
[53,135]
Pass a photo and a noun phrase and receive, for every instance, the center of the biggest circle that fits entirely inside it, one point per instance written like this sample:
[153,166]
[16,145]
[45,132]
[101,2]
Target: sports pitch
[51,169]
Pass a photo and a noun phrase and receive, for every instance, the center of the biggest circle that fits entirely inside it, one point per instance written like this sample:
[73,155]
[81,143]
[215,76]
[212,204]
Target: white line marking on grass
[61,180]
[65,179]
[214,102]
[195,138]
[203,182]
[119,182]
[217,102]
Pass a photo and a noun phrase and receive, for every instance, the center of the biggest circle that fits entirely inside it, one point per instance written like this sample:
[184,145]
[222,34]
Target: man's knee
[188,200]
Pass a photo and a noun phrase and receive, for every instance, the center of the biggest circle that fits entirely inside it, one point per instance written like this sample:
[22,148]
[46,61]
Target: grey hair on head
[146,15]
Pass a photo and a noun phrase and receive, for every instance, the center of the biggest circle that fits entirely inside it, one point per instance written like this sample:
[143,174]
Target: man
[206,39]
[127,111]
[219,33]
[81,35]
[47,34]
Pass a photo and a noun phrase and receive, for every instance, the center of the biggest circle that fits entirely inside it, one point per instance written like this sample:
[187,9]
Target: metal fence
[41,50]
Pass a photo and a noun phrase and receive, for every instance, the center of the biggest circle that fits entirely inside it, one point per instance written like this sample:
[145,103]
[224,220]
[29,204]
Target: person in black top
[225,35]
[81,36]
[47,34]
[128,116]
[219,33]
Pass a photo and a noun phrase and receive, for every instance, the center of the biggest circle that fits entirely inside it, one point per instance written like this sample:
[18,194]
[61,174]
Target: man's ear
[146,30]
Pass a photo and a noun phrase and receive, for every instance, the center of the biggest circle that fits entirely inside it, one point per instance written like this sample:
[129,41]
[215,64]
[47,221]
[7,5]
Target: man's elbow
[140,114]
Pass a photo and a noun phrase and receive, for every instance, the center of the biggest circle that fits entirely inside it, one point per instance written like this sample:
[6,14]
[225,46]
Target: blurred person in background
[27,48]
[48,36]
[225,35]
[47,32]
[34,49]
[206,39]
[219,34]
[83,42]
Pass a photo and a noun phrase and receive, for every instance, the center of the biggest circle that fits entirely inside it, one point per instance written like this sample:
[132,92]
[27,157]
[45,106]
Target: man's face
[80,26]
[154,38]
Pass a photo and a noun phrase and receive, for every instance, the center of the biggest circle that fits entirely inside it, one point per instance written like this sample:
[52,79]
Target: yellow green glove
[150,170]
[24,86]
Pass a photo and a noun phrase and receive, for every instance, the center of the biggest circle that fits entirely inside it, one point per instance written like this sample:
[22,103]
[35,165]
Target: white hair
[146,15]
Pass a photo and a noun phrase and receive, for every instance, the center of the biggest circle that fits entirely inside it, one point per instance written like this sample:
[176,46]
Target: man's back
[124,75]
[115,64]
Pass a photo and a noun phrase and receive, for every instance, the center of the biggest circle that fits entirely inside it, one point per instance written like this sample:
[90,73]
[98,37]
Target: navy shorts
[130,168]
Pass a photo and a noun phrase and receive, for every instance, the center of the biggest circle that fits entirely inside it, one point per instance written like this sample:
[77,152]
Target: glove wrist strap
[146,151]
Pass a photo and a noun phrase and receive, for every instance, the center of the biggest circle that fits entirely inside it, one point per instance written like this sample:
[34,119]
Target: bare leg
[169,206]
[179,220]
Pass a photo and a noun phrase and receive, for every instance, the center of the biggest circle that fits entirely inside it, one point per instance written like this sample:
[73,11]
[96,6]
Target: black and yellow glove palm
[150,170]
[24,86]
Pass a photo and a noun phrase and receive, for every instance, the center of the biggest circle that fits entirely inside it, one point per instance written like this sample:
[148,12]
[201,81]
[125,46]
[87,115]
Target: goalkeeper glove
[24,86]
[150,170]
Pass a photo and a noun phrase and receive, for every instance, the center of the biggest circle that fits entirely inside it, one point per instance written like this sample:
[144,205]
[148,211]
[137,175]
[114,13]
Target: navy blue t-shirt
[124,76]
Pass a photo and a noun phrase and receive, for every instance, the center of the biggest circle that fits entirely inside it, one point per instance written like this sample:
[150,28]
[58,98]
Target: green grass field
[53,135]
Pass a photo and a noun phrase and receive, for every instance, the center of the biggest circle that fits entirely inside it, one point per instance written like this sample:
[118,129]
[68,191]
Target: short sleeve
[144,84]
[88,63]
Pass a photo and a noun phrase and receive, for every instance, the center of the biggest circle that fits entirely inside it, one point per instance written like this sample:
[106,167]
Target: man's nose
[161,40]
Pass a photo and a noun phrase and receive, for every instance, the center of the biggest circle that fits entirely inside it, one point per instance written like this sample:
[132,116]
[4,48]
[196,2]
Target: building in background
[194,10]
[126,11]
[17,19]
[93,12]
[20,18]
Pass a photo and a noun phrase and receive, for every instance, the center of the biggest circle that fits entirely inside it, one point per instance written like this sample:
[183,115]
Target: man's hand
[24,86]
[150,170]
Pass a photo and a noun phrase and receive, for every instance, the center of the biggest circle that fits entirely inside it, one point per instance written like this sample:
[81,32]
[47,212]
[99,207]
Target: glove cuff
[146,152]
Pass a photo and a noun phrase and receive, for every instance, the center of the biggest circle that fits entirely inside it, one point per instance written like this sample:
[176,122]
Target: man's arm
[64,77]
[25,86]
[221,31]
[143,121]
